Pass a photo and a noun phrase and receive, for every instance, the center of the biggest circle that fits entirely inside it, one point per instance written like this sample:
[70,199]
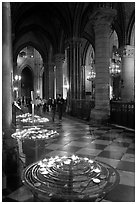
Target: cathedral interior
[80,148]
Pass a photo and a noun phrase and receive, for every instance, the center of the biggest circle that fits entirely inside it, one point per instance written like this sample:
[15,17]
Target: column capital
[51,66]
[127,51]
[73,41]
[59,57]
[103,16]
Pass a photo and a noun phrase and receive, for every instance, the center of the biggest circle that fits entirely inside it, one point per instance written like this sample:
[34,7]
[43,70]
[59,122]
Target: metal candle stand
[70,179]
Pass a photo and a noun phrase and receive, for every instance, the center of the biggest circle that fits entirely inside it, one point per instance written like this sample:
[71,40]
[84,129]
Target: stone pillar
[83,95]
[7,68]
[59,60]
[74,67]
[35,84]
[128,74]
[46,81]
[74,70]
[51,80]
[10,160]
[40,85]
[15,68]
[102,18]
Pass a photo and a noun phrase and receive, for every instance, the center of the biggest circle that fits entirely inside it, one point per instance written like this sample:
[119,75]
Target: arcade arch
[30,65]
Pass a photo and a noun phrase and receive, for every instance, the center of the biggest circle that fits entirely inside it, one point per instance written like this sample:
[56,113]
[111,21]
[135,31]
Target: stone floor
[112,145]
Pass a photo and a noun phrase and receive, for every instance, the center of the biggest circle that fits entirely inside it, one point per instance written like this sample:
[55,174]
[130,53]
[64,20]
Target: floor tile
[112,135]
[116,148]
[70,148]
[54,146]
[121,193]
[105,128]
[130,151]
[105,138]
[111,162]
[104,142]
[128,157]
[58,153]
[86,151]
[126,166]
[21,195]
[128,140]
[63,142]
[112,155]
[47,151]
[96,134]
[96,146]
[78,144]
[99,132]
[129,133]
[105,200]
[132,146]
[90,137]
[116,130]
[120,144]
[127,178]
[6,199]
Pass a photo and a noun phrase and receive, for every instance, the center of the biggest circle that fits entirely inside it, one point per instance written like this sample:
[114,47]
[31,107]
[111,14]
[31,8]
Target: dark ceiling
[47,25]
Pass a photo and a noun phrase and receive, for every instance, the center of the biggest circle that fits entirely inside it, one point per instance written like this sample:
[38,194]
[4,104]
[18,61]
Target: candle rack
[70,179]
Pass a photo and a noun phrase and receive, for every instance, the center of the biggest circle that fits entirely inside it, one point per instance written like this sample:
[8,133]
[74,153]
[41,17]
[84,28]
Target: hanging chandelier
[115,64]
[91,75]
[114,69]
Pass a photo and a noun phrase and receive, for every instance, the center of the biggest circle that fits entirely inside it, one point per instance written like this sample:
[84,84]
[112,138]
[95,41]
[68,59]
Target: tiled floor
[111,145]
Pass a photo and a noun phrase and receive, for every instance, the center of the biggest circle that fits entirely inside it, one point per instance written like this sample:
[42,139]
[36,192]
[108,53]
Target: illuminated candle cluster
[77,164]
[34,133]
[27,118]
[71,178]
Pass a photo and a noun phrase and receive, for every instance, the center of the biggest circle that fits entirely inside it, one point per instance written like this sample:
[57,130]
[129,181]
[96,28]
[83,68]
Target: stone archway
[26,84]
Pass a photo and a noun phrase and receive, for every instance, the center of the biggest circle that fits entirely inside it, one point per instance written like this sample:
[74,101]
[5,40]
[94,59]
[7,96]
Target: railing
[122,113]
[81,108]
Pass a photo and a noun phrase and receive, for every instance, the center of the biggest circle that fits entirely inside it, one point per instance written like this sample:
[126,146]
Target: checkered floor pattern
[112,145]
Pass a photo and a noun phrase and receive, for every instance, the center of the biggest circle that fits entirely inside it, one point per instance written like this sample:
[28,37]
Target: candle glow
[34,133]
[27,118]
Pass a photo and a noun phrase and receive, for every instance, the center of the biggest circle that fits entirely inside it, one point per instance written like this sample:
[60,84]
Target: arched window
[90,73]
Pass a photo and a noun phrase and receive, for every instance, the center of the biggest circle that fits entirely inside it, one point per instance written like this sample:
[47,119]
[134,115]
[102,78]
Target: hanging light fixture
[115,64]
[91,75]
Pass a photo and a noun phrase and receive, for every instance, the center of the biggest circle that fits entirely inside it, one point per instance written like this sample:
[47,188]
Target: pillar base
[99,117]
[10,161]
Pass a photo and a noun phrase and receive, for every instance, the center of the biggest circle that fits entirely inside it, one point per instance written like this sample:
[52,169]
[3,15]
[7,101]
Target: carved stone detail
[128,51]
[59,58]
[103,15]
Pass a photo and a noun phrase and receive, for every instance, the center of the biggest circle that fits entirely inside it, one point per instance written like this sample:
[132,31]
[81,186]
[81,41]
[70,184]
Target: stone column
[46,81]
[59,60]
[83,82]
[7,68]
[35,82]
[77,67]
[74,67]
[128,74]
[40,85]
[51,80]
[102,18]
[10,160]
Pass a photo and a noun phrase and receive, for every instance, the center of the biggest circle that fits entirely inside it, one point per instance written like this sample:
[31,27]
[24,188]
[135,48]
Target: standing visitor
[53,108]
[38,105]
[60,104]
[44,105]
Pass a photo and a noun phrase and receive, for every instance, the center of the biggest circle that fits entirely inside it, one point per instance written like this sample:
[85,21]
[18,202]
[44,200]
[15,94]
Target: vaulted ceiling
[46,25]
